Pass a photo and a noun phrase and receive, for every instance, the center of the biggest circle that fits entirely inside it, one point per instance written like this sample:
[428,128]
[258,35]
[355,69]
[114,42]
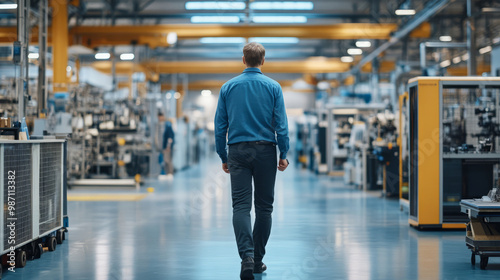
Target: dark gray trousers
[247,161]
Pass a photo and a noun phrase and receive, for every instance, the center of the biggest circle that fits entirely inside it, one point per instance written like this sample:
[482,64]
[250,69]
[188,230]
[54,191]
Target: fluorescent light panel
[279,19]
[465,57]
[274,40]
[445,38]
[484,50]
[457,59]
[127,56]
[215,19]
[354,51]
[33,55]
[347,59]
[282,5]
[363,44]
[8,6]
[222,40]
[102,55]
[215,5]
[405,12]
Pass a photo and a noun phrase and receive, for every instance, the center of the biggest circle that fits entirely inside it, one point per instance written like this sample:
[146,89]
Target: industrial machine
[386,151]
[454,150]
[341,119]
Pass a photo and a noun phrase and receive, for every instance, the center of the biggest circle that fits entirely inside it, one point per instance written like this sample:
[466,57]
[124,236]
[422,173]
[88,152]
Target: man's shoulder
[271,81]
[232,81]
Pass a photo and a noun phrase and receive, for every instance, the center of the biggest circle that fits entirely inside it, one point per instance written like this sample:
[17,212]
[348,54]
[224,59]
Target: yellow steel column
[59,44]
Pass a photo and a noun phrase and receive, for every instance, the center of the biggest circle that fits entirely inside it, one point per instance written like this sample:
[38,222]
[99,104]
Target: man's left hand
[225,168]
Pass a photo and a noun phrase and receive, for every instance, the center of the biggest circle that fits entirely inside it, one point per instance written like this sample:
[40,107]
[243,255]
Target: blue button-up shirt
[251,108]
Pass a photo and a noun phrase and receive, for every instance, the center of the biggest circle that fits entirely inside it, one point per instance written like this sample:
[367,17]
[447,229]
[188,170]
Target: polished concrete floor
[182,231]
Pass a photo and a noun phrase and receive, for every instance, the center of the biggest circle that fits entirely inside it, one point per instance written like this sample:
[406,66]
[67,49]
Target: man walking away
[251,112]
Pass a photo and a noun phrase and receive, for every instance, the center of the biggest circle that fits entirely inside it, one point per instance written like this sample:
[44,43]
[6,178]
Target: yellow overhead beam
[125,68]
[313,66]
[340,31]
[155,35]
[153,69]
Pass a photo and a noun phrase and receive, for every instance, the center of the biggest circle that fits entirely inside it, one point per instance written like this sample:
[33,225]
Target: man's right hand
[225,168]
[283,164]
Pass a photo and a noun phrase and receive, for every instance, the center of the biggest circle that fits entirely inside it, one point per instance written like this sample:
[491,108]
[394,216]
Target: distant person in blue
[251,113]
[168,145]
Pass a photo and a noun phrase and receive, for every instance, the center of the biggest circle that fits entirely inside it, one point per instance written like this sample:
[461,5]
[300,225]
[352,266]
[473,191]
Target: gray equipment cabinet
[33,185]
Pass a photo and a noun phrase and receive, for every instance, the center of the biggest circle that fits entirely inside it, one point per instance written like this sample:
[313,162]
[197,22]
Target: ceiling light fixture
[33,55]
[102,56]
[8,6]
[457,59]
[171,38]
[347,59]
[363,44]
[206,92]
[484,50]
[215,5]
[354,51]
[279,19]
[445,63]
[127,56]
[405,12]
[465,57]
[445,38]
[215,19]
[282,5]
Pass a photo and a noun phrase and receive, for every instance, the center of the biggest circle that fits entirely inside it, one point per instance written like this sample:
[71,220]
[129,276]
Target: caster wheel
[21,258]
[38,251]
[473,259]
[59,236]
[484,262]
[51,243]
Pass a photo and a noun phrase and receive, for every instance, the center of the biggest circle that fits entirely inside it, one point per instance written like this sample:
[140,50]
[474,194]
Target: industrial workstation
[250,139]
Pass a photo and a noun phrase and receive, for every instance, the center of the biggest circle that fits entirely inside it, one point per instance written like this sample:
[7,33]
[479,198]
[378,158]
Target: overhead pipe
[425,14]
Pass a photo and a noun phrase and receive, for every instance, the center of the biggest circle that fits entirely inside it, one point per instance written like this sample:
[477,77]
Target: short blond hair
[254,54]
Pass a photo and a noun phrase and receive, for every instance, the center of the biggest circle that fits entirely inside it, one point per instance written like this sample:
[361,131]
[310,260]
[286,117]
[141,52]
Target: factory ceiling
[323,28]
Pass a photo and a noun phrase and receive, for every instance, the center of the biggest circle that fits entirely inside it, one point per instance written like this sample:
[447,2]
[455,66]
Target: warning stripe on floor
[106,197]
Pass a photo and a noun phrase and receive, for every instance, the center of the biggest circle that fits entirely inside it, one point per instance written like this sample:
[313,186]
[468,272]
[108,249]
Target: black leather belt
[256,143]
